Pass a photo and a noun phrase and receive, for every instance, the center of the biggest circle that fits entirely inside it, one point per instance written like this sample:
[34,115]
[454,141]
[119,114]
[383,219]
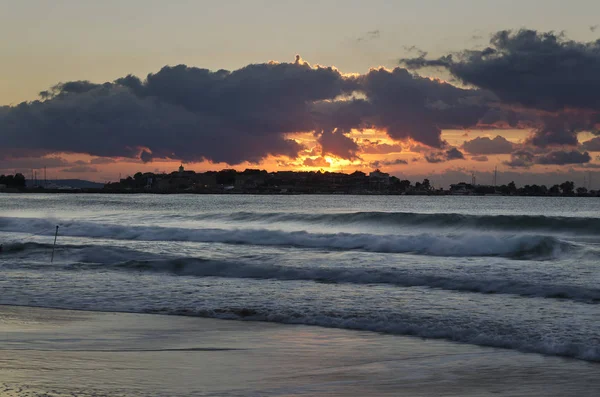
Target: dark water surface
[513,272]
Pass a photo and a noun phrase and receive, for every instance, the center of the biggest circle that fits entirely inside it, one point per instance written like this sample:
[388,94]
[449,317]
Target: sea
[520,273]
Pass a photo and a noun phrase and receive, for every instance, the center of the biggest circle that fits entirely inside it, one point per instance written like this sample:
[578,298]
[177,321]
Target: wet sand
[48,352]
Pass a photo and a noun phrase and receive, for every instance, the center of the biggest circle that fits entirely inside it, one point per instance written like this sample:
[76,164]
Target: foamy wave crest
[483,335]
[580,225]
[463,245]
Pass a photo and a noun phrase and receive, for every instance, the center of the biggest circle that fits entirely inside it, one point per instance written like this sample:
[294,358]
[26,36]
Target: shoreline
[238,193]
[246,320]
[129,354]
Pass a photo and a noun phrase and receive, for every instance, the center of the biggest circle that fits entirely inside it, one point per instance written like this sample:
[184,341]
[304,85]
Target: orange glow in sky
[392,159]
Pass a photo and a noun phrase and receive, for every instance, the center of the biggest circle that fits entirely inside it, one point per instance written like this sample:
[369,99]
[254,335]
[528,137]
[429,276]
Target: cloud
[192,114]
[403,105]
[534,69]
[485,145]
[370,35]
[553,78]
[180,112]
[387,163]
[448,155]
[593,28]
[420,149]
[380,148]
[28,163]
[80,168]
[562,129]
[415,49]
[409,106]
[102,160]
[146,156]
[564,157]
[593,145]
[526,159]
[246,115]
[520,159]
[454,154]
[479,158]
[435,157]
[316,162]
[590,166]
[337,144]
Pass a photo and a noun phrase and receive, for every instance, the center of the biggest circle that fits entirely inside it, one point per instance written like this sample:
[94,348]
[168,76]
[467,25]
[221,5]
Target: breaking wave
[458,245]
[579,225]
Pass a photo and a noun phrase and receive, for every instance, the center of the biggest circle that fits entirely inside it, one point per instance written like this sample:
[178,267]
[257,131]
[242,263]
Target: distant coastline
[261,182]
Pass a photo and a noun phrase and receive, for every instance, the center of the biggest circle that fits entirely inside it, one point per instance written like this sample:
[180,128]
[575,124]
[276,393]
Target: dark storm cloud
[404,105]
[543,72]
[564,157]
[409,106]
[194,114]
[534,69]
[180,112]
[479,158]
[485,145]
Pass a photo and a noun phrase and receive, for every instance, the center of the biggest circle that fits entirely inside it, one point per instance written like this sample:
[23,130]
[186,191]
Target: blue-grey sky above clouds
[47,41]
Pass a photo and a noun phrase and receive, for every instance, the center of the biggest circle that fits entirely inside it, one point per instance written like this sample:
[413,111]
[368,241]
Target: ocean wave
[391,276]
[580,225]
[92,257]
[516,246]
[13,247]
[483,335]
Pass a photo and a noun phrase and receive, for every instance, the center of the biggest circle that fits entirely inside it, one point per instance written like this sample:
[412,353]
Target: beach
[49,352]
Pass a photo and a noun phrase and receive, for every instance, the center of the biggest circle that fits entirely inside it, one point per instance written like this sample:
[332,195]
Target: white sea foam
[462,245]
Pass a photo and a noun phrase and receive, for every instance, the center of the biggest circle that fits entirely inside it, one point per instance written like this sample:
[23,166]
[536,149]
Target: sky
[404,86]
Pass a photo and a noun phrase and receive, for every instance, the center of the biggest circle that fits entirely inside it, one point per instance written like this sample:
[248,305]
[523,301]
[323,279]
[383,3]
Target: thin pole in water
[55,236]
